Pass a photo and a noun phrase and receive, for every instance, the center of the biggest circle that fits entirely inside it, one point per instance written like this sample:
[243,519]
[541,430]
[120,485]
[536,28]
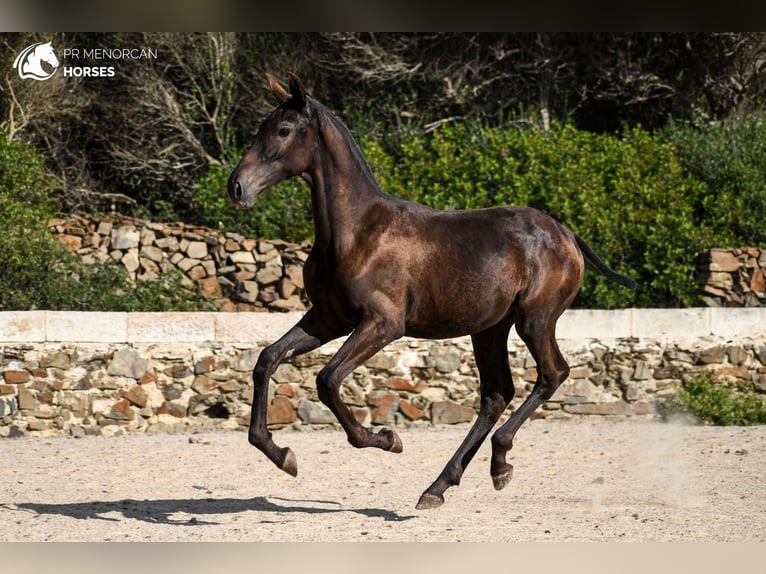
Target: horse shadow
[162,511]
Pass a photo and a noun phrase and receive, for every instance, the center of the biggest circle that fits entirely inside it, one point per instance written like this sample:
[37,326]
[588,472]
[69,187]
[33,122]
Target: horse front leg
[369,337]
[308,334]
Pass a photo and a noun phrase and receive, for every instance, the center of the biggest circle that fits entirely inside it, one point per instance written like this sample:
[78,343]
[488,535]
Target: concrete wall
[110,373]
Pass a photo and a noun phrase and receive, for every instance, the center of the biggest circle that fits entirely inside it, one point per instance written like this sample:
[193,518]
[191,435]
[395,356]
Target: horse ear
[277,90]
[297,90]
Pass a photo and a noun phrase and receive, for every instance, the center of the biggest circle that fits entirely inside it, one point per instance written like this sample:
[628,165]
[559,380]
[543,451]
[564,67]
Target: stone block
[86,327]
[254,328]
[738,322]
[579,324]
[22,326]
[15,377]
[315,413]
[448,412]
[280,412]
[125,237]
[196,250]
[381,406]
[671,323]
[724,260]
[170,327]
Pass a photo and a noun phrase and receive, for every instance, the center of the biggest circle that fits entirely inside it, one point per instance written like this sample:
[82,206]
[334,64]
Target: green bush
[627,196]
[720,403]
[38,273]
[730,160]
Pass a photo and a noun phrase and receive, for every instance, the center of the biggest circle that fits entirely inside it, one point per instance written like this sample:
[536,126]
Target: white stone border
[259,328]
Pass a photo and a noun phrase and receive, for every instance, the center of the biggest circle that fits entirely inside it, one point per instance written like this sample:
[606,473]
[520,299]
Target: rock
[448,412]
[136,395]
[381,406]
[127,363]
[269,275]
[125,238]
[723,260]
[280,412]
[204,365]
[239,257]
[410,411]
[131,261]
[315,413]
[56,360]
[14,377]
[446,361]
[400,384]
[152,253]
[123,410]
[711,355]
[607,408]
[197,250]
[27,400]
[736,354]
[172,408]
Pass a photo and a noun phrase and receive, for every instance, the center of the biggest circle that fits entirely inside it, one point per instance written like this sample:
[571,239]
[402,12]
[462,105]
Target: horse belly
[460,304]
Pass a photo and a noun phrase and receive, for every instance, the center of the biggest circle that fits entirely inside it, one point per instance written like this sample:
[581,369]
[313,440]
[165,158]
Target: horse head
[283,146]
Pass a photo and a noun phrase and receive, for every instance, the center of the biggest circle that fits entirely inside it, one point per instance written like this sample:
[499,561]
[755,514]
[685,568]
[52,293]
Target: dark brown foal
[382,268]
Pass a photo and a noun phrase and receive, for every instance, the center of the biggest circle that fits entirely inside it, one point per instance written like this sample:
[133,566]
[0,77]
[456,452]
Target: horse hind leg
[490,350]
[552,370]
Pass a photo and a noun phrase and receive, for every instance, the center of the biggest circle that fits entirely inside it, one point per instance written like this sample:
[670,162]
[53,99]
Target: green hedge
[36,272]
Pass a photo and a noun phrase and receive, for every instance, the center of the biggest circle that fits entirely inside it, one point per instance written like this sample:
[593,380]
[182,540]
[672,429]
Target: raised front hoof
[428,501]
[502,479]
[289,463]
[396,442]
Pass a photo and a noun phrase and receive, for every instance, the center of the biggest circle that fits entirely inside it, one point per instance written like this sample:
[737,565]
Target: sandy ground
[586,480]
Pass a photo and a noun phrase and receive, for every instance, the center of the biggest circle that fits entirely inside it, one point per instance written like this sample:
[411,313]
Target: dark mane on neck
[324,115]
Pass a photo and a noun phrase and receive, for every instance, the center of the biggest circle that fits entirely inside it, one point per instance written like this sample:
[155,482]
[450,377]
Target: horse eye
[284,132]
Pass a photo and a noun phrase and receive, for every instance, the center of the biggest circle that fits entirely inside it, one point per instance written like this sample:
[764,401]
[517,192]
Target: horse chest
[330,291]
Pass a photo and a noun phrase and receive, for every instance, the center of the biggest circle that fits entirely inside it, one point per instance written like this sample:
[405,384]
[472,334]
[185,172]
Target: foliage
[627,196]
[38,273]
[720,403]
[730,160]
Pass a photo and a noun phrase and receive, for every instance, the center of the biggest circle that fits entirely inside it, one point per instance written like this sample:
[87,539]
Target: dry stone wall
[242,274]
[733,277]
[79,374]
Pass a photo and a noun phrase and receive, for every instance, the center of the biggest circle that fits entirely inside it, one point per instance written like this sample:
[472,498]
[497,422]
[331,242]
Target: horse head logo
[29,62]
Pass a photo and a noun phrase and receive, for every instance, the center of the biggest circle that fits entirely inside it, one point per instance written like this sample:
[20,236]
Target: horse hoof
[290,463]
[501,480]
[428,501]
[397,446]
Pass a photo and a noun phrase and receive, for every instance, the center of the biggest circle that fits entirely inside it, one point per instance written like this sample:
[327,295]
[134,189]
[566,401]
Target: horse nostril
[237,191]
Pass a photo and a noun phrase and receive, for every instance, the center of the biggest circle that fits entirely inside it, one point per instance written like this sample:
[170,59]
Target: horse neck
[342,188]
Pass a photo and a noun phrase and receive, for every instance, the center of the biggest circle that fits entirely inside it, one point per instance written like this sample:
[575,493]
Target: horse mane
[324,114]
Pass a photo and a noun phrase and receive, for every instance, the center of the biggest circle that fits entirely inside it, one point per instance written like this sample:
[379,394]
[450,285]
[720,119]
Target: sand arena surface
[580,480]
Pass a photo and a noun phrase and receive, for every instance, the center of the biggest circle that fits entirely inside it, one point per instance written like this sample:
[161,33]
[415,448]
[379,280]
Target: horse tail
[599,265]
